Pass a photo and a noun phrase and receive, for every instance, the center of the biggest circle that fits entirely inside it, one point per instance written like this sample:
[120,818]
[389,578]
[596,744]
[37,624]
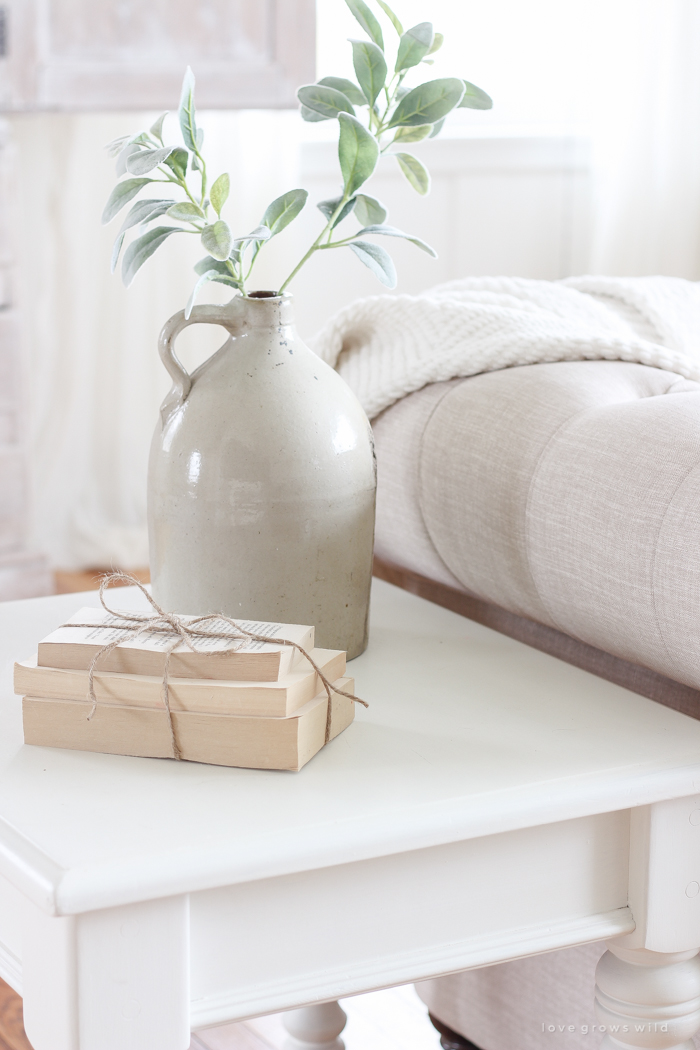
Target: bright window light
[548,64]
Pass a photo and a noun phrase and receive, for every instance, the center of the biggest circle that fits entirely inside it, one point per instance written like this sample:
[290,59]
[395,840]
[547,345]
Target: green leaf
[209,263]
[115,147]
[209,275]
[147,159]
[413,134]
[369,209]
[438,41]
[186,112]
[229,280]
[391,231]
[437,128]
[367,20]
[284,210]
[324,100]
[370,68]
[130,148]
[177,161]
[122,193]
[428,102]
[358,153]
[347,88]
[142,249]
[220,191]
[377,260]
[144,211]
[391,16]
[115,252]
[185,212]
[260,233]
[414,171]
[157,128]
[218,239]
[414,45]
[328,208]
[475,98]
[311,114]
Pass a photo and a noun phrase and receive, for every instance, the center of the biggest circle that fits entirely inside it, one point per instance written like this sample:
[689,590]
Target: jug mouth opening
[264,295]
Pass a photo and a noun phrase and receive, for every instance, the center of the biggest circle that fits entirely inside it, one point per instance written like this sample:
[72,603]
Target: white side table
[492,803]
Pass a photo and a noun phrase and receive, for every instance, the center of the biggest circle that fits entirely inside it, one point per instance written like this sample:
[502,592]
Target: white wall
[514,206]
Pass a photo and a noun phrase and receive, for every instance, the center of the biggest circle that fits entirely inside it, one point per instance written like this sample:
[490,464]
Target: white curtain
[92,375]
[642,104]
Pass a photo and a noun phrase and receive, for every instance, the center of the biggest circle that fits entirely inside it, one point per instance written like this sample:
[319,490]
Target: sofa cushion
[514,1005]
[568,493]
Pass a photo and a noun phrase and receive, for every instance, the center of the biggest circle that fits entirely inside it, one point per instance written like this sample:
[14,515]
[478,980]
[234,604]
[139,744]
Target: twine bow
[185,632]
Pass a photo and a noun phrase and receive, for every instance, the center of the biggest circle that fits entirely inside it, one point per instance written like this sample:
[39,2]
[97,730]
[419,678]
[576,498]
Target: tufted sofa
[559,503]
[565,496]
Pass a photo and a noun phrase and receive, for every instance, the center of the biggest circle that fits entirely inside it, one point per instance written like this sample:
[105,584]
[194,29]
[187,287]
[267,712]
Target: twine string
[185,632]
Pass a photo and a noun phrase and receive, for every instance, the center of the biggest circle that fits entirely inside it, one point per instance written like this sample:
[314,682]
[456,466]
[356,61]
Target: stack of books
[260,705]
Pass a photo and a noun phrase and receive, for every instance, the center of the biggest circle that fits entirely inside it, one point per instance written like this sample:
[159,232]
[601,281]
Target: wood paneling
[508,206]
[122,54]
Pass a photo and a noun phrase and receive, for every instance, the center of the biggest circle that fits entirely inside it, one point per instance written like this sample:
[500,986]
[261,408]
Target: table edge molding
[10,968]
[29,868]
[406,967]
[108,884]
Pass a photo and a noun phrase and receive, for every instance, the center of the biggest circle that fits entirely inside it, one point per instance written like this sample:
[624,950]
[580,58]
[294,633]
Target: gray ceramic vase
[262,480]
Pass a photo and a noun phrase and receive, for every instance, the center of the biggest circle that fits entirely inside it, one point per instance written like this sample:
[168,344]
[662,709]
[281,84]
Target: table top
[468,733]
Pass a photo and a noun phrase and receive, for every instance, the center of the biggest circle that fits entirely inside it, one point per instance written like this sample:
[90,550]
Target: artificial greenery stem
[407,115]
[317,243]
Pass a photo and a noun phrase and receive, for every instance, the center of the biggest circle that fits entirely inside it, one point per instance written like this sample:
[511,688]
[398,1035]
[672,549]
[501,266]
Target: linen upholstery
[400,532]
[504,1007]
[567,492]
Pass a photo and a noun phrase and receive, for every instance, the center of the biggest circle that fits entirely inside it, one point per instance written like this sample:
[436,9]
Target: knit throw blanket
[385,347]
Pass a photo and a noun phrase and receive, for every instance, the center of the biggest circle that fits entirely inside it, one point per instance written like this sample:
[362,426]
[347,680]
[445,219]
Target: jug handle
[182,381]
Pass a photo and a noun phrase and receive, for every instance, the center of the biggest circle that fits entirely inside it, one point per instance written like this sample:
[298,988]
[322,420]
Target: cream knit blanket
[385,347]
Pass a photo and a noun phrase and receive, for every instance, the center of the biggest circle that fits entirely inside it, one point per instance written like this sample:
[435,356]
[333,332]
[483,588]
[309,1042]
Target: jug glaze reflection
[262,480]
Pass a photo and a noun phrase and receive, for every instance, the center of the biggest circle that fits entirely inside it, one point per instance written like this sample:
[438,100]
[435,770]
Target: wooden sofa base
[449,1039]
[638,679]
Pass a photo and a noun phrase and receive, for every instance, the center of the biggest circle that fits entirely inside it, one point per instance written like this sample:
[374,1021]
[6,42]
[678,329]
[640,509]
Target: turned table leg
[648,999]
[315,1027]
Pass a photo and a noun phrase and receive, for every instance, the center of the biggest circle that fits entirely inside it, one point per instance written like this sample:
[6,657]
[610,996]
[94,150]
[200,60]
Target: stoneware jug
[262,480]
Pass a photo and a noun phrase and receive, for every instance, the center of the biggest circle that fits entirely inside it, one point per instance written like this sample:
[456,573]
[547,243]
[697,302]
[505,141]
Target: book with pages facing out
[206,695]
[218,739]
[242,659]
[234,702]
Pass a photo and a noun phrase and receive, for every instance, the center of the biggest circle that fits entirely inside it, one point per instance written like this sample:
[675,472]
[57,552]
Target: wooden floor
[66,582]
[12,1035]
[395,1019]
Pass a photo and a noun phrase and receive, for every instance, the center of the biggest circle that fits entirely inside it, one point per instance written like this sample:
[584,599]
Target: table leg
[648,999]
[315,1027]
[110,979]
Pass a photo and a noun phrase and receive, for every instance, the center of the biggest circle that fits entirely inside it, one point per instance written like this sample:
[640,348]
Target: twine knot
[185,632]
